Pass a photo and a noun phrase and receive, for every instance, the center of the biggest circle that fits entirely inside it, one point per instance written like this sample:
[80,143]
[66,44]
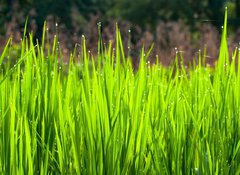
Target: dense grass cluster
[102,117]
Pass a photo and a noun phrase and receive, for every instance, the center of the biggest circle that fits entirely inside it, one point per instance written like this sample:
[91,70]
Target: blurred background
[188,25]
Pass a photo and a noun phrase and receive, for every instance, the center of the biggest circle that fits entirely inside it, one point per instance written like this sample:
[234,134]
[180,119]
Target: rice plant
[102,117]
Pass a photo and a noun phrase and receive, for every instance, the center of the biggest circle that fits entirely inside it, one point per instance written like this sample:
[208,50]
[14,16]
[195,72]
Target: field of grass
[100,116]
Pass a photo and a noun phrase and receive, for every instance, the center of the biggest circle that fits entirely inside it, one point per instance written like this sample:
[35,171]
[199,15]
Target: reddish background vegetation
[167,37]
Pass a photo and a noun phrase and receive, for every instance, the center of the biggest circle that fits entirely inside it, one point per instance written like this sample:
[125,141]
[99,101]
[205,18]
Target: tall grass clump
[99,116]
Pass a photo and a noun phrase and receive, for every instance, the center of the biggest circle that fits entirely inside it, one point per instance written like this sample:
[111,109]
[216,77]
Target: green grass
[102,117]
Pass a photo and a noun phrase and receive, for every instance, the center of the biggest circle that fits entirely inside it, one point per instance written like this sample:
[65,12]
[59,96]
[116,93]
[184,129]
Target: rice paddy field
[97,115]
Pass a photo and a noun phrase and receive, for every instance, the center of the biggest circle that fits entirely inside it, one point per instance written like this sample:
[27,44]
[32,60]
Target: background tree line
[145,13]
[187,24]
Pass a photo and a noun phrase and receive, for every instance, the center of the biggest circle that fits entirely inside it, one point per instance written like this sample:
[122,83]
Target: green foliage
[3,10]
[145,13]
[112,120]
[154,10]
